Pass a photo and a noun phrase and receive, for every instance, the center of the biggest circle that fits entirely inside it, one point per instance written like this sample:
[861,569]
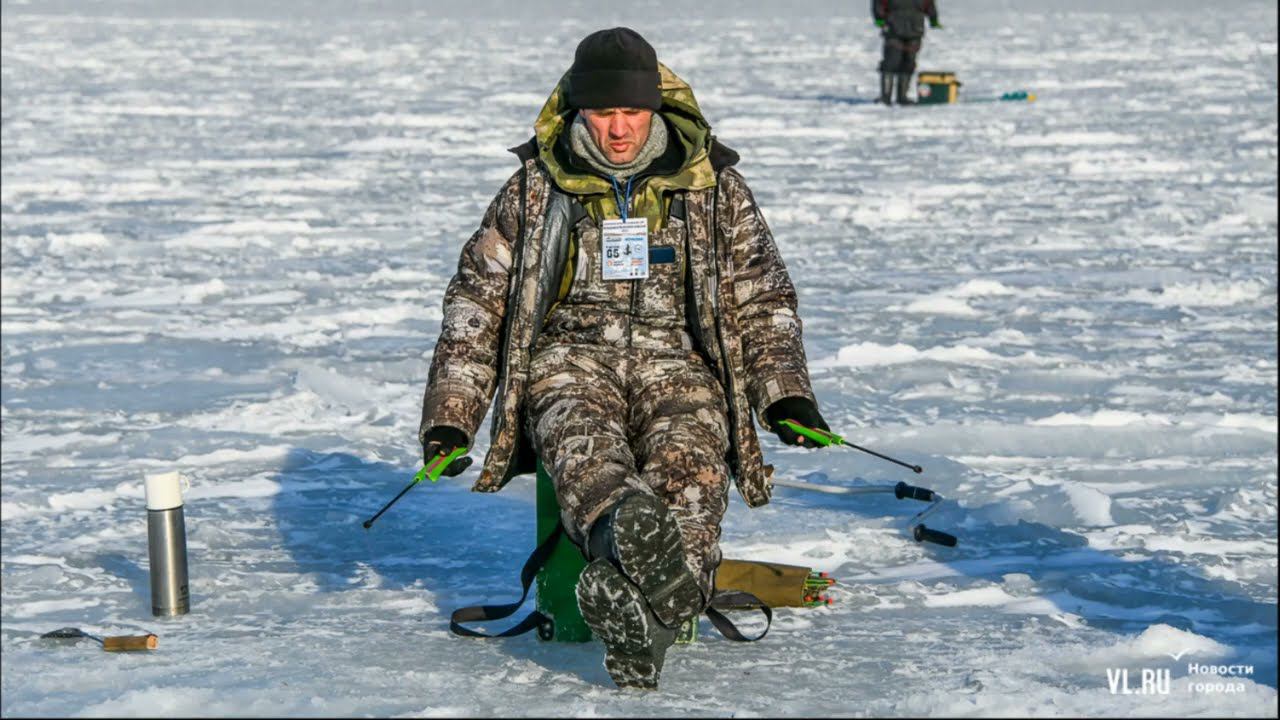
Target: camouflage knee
[591,475]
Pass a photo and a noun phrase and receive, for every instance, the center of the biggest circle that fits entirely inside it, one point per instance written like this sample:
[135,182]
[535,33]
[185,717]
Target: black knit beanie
[614,68]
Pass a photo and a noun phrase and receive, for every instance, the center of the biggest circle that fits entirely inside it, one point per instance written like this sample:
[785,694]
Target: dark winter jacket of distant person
[905,19]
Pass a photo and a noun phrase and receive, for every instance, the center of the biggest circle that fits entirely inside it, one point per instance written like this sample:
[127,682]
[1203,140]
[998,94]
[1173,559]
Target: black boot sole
[650,551]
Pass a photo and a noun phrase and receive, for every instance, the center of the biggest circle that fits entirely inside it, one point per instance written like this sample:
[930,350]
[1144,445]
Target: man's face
[619,132]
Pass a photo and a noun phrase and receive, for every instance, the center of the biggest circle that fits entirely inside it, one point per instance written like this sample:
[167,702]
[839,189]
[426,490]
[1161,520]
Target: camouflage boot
[637,590]
[635,641]
[641,537]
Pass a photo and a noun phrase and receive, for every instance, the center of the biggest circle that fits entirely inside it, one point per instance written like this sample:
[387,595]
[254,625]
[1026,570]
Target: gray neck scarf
[585,147]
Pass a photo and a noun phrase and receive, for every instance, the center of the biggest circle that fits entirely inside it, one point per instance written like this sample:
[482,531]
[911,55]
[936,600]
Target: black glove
[443,440]
[799,410]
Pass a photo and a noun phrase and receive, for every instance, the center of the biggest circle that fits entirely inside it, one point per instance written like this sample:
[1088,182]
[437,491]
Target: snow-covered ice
[227,228]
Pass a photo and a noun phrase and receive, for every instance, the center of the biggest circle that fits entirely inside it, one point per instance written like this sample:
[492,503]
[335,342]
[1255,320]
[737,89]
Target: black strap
[545,625]
[734,600]
[576,212]
[677,209]
[535,619]
[726,626]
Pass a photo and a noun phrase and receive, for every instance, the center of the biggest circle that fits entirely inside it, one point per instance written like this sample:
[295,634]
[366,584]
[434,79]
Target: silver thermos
[167,545]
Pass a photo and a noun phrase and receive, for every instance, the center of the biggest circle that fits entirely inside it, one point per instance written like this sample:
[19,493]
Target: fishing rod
[826,438]
[915,525]
[454,462]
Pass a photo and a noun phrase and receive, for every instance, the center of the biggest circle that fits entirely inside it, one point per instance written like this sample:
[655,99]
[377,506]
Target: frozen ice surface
[226,233]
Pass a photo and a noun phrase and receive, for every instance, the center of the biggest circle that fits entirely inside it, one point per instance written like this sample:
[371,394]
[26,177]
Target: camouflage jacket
[742,305]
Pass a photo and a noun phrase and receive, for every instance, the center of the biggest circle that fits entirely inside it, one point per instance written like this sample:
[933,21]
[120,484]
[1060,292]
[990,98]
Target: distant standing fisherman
[901,23]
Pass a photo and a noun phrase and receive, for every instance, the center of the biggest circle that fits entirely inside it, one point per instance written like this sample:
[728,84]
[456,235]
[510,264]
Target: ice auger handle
[116,643]
[924,534]
[126,643]
[903,490]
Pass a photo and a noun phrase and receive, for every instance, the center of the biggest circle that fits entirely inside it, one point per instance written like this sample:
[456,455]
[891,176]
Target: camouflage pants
[609,421]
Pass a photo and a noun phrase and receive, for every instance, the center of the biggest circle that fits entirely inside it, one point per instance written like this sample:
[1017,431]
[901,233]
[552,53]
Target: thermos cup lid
[164,490]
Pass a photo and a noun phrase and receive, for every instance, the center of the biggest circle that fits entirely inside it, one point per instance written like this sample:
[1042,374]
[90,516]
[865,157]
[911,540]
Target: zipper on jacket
[693,311]
[631,312]
[731,395]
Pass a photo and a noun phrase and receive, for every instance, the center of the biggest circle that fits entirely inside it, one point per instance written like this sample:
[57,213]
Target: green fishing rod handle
[823,438]
[434,469]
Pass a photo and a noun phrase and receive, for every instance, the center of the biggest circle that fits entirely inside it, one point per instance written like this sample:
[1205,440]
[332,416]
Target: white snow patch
[64,244]
[1090,505]
[165,296]
[869,354]
[980,288]
[1158,642]
[265,453]
[1209,546]
[990,596]
[392,144]
[1251,421]
[83,500]
[278,297]
[934,305]
[1104,418]
[254,487]
[41,443]
[1070,139]
[45,607]
[1203,294]
[1121,418]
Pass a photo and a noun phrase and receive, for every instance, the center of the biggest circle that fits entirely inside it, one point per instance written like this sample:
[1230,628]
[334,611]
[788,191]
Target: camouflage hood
[690,130]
